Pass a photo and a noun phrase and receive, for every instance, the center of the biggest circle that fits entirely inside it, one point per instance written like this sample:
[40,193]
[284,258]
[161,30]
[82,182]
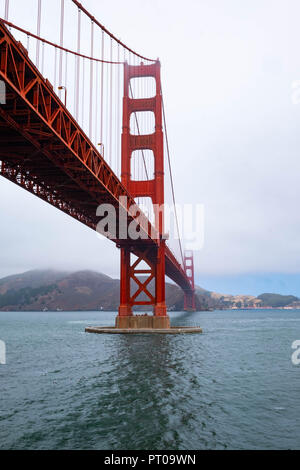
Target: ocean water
[234,387]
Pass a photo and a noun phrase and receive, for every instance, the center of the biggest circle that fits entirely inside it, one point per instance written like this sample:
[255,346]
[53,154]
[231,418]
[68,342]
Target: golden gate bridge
[84,124]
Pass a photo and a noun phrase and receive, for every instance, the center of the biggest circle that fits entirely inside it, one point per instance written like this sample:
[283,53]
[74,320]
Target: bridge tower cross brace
[153,188]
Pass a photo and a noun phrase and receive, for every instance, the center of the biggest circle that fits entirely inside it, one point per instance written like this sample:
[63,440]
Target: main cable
[87,13]
[57,46]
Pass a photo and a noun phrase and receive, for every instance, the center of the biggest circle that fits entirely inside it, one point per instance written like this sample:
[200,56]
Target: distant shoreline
[138,312]
[89,291]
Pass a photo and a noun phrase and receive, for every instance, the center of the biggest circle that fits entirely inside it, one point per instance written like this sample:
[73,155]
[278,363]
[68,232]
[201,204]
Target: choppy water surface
[234,387]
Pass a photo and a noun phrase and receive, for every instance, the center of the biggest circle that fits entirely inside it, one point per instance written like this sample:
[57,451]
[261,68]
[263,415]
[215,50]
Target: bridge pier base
[125,311]
[189,296]
[160,310]
[142,322]
[190,302]
[152,271]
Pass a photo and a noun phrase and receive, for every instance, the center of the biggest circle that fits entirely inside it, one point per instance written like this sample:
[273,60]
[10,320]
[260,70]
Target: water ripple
[234,387]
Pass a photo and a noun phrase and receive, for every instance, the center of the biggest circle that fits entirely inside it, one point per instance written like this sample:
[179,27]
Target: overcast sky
[228,68]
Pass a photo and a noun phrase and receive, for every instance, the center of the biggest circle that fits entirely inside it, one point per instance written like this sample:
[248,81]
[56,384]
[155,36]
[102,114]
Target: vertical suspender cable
[107,112]
[110,105]
[96,102]
[171,176]
[136,160]
[101,97]
[118,114]
[6,9]
[66,73]
[43,57]
[62,15]
[66,69]
[77,70]
[121,167]
[91,82]
[38,29]
[83,90]
[55,67]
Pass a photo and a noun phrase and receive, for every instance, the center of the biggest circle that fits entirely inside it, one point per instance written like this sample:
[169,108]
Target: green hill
[277,300]
[79,291]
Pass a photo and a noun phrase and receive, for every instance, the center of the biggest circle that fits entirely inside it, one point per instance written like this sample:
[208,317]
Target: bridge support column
[189,302]
[160,308]
[149,280]
[143,286]
[125,308]
[189,296]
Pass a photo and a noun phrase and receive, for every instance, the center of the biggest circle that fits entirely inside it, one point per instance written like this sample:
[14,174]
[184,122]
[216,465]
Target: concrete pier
[173,330]
[143,324]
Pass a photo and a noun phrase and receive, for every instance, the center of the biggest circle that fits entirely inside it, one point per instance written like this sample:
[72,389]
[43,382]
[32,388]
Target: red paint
[153,189]
[44,150]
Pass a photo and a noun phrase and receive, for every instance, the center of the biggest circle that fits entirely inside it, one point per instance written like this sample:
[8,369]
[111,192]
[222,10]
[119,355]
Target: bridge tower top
[152,188]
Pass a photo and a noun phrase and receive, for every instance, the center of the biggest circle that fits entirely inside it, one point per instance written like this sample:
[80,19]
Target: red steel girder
[35,120]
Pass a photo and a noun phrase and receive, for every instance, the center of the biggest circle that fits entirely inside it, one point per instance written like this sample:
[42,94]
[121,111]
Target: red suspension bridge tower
[155,268]
[190,295]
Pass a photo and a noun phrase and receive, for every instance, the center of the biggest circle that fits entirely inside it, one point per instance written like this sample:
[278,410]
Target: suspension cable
[110,104]
[57,46]
[38,29]
[77,66]
[83,93]
[171,177]
[86,12]
[118,115]
[43,57]
[101,90]
[91,84]
[55,68]
[6,9]
[62,18]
